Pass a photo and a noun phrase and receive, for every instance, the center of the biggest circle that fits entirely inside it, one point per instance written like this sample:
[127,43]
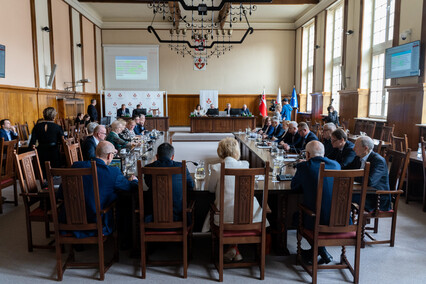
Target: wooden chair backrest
[29,171]
[73,153]
[162,196]
[23,131]
[399,143]
[7,162]
[398,162]
[340,212]
[80,127]
[387,133]
[243,197]
[74,198]
[71,131]
[67,141]
[155,111]
[370,127]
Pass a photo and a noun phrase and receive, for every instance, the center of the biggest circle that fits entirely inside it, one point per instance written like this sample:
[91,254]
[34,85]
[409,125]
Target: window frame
[306,70]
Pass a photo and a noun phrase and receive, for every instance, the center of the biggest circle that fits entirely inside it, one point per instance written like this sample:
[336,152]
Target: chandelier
[199,33]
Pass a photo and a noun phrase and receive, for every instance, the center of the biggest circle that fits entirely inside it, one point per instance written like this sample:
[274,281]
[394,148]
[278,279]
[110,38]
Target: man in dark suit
[165,155]
[136,110]
[110,180]
[306,136]
[245,111]
[228,109]
[123,111]
[140,124]
[290,138]
[326,134]
[343,150]
[278,130]
[89,145]
[91,110]
[306,179]
[212,110]
[378,177]
[7,131]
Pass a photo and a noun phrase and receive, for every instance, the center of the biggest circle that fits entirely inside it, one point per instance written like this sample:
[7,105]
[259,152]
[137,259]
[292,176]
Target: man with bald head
[110,180]
[88,147]
[378,178]
[306,179]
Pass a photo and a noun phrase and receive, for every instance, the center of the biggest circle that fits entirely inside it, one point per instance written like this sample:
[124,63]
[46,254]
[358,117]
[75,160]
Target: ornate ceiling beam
[273,2]
[175,11]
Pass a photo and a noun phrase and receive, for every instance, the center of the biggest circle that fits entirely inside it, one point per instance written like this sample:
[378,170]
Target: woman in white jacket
[228,151]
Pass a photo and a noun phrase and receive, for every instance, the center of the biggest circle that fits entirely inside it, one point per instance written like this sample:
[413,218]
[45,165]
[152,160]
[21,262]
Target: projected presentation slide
[131,68]
[401,61]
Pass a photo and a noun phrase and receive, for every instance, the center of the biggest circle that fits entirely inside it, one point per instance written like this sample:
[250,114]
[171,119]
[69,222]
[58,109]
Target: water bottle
[419,151]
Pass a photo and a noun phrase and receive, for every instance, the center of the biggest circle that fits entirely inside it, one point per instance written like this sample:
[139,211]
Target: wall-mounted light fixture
[45,29]
[317,46]
[349,32]
[79,45]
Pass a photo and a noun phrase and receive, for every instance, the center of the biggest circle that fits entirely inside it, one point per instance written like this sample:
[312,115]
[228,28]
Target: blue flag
[293,101]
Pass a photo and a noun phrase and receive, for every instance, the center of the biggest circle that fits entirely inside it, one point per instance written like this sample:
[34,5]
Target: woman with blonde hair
[228,151]
[116,129]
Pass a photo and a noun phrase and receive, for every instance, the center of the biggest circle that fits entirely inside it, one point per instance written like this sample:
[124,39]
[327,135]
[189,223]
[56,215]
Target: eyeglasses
[103,133]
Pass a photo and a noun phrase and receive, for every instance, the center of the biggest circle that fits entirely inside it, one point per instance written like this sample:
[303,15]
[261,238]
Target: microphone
[194,163]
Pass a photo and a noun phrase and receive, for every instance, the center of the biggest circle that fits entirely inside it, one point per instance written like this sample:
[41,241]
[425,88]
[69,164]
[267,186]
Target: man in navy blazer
[306,136]
[88,148]
[290,138]
[165,155]
[110,180]
[326,135]
[245,111]
[123,111]
[7,131]
[378,177]
[140,125]
[278,130]
[306,179]
[343,150]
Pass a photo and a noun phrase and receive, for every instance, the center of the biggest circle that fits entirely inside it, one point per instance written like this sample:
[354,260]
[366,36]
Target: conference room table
[415,185]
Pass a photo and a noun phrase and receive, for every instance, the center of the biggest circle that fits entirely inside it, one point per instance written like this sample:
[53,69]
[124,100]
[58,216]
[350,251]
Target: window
[308,46]
[377,36]
[333,52]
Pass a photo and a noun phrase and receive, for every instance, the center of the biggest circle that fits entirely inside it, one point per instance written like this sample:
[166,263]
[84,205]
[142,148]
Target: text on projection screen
[131,68]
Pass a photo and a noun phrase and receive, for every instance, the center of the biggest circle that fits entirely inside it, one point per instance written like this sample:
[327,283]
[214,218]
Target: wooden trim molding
[72,49]
[96,57]
[361,26]
[51,40]
[35,49]
[83,75]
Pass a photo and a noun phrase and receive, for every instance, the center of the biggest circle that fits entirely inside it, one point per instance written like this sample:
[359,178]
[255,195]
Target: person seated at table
[7,131]
[326,135]
[116,129]
[199,111]
[79,119]
[378,178]
[245,111]
[286,110]
[165,156]
[91,128]
[228,151]
[267,128]
[110,180]
[306,136]
[278,130]
[228,109]
[48,135]
[277,113]
[212,110]
[86,120]
[343,150]
[332,116]
[123,111]
[140,124]
[128,132]
[306,179]
[136,111]
[291,138]
[88,148]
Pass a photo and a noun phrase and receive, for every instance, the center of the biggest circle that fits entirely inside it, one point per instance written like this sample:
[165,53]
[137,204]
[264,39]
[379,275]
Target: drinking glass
[274,149]
[200,172]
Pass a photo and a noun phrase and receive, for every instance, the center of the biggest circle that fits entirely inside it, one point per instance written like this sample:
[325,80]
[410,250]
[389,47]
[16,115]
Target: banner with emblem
[208,97]
[151,100]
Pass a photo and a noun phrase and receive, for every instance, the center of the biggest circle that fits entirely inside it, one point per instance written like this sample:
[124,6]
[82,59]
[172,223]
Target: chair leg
[185,257]
[58,260]
[262,259]
[47,229]
[393,229]
[314,263]
[101,259]
[356,264]
[15,193]
[376,225]
[143,259]
[220,260]
[29,235]
[299,250]
[1,202]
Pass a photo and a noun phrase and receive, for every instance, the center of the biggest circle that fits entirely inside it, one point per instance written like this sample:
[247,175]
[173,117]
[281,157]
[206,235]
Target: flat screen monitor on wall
[131,67]
[403,60]
[2,60]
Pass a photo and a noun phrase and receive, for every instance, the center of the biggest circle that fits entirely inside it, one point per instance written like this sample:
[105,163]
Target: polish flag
[262,106]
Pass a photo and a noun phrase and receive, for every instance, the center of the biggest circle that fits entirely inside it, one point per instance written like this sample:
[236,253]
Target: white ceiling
[128,15]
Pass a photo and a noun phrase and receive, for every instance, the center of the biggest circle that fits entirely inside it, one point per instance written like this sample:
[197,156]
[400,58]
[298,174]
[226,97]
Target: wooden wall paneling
[180,106]
[83,75]
[405,109]
[353,103]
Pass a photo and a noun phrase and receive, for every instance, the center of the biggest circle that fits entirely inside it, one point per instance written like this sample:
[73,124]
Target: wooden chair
[359,126]
[370,128]
[398,168]
[155,111]
[24,131]
[387,131]
[339,231]
[67,141]
[76,218]
[345,124]
[163,228]
[399,143]
[7,168]
[243,230]
[36,207]
[72,153]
